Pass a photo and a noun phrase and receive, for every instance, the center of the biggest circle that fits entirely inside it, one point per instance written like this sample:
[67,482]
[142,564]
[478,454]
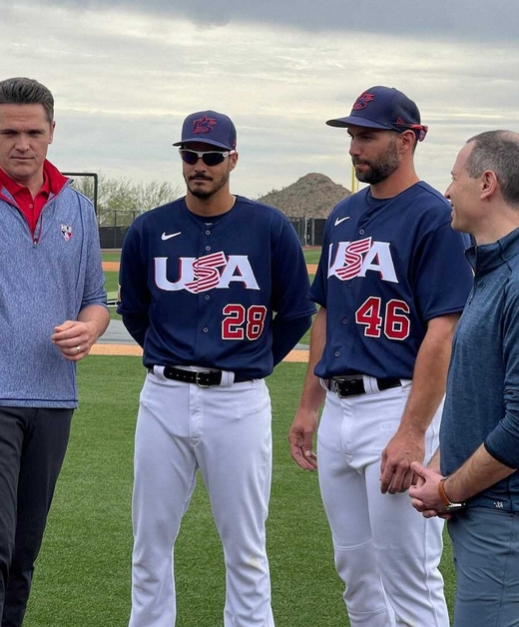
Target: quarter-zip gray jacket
[45,279]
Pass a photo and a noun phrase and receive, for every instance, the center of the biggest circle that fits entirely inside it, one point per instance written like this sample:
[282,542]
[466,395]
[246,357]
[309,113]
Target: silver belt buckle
[334,387]
[349,385]
[197,380]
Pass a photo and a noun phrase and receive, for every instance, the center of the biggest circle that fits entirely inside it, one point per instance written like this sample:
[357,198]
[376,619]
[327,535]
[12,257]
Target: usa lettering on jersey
[214,271]
[354,259]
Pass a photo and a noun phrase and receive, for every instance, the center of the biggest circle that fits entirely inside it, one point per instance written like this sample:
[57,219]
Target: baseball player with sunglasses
[214,288]
[392,281]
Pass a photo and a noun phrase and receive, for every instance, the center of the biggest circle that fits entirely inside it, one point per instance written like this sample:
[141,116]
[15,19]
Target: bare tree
[120,201]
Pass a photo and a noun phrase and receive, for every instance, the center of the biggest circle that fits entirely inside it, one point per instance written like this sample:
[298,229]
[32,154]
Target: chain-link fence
[309,230]
[113,226]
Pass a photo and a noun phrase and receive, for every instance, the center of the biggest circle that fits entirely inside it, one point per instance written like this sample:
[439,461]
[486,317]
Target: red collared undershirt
[31,207]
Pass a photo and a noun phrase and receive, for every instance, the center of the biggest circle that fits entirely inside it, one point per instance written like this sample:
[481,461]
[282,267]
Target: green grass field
[312,254]
[83,573]
[112,255]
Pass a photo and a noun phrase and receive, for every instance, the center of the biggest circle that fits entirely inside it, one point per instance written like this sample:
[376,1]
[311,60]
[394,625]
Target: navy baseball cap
[384,108]
[209,127]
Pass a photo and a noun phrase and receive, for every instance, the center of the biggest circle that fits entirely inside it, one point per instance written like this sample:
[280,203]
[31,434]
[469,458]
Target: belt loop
[158,371]
[227,379]
[370,384]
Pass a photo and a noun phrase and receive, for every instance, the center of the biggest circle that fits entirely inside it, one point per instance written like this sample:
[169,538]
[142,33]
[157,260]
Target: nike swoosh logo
[166,237]
[339,220]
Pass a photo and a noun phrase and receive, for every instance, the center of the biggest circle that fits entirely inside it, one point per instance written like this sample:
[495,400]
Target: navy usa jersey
[387,267]
[206,289]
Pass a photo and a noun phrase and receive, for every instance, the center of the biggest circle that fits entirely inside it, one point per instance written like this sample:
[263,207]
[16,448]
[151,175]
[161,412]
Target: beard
[379,169]
[208,190]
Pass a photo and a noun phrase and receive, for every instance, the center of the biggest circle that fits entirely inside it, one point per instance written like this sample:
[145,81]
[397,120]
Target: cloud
[125,79]
[474,20]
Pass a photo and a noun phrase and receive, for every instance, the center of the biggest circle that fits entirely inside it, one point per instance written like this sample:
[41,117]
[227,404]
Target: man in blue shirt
[472,480]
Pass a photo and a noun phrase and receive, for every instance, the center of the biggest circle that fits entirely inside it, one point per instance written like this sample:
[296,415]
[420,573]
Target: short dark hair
[27,91]
[497,151]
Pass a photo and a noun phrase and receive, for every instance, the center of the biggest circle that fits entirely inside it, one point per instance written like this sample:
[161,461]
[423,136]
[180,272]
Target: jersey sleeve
[134,295]
[290,283]
[320,282]
[443,278]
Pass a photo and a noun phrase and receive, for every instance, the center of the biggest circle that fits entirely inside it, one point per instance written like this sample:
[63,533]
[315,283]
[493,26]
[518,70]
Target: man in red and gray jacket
[52,310]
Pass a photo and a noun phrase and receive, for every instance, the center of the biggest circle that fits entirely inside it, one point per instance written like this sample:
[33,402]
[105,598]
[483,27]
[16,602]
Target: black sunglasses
[209,157]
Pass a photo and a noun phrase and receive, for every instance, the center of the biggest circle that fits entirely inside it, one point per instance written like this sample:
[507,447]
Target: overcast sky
[125,74]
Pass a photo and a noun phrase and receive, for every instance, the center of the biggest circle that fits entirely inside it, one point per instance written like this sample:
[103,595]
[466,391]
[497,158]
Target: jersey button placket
[206,297]
[361,225]
[207,246]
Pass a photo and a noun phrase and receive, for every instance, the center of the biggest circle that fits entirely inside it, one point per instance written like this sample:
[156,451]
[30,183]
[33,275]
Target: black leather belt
[351,385]
[204,378]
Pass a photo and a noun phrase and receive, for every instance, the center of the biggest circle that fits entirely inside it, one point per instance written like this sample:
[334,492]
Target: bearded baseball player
[214,288]
[391,282]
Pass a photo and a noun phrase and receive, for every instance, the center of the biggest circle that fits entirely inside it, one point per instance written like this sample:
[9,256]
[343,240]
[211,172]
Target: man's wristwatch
[449,505]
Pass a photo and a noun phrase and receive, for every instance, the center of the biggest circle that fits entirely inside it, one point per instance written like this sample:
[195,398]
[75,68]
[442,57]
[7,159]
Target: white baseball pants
[386,553]
[226,433]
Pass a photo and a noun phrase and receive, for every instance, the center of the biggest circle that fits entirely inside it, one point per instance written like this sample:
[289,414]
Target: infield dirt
[136,351]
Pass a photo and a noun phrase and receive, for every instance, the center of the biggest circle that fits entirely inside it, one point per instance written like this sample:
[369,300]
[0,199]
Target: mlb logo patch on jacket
[66,231]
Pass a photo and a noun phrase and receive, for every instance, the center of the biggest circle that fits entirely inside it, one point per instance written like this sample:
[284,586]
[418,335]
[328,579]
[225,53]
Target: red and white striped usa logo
[206,274]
